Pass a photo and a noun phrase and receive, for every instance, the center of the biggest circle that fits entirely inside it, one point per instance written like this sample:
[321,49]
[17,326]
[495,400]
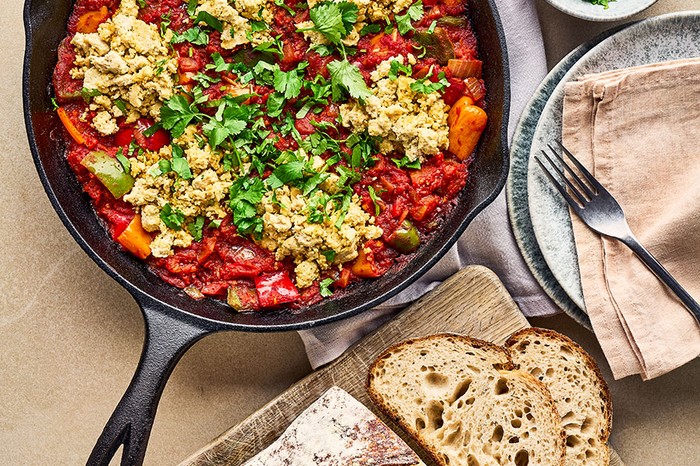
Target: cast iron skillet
[173,321]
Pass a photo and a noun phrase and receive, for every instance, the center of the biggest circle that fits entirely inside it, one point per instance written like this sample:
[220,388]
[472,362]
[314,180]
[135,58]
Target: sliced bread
[459,398]
[579,391]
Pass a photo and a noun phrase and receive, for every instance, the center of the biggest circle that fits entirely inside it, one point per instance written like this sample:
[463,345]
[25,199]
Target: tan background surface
[71,336]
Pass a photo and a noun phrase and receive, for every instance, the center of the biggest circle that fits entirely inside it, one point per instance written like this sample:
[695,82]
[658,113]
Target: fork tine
[573,174]
[574,205]
[583,170]
[582,200]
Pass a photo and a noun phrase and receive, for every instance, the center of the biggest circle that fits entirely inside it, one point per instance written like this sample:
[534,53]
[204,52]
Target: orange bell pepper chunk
[364,266]
[466,122]
[90,21]
[135,239]
[70,127]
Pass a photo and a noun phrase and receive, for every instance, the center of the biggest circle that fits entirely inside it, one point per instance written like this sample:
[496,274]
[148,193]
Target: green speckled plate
[516,186]
[539,217]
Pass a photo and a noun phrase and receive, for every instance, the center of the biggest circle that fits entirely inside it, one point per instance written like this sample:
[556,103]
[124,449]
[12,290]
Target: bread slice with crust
[458,397]
[579,391]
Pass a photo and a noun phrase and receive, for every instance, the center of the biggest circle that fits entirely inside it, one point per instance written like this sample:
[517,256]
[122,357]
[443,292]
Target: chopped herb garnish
[334,20]
[126,165]
[195,36]
[209,20]
[329,255]
[173,218]
[370,29]
[216,223]
[397,67]
[405,162]
[414,13]
[375,200]
[245,195]
[257,26]
[346,77]
[323,287]
[120,105]
[88,94]
[426,86]
[431,28]
[196,228]
[280,3]
[322,49]
[54,103]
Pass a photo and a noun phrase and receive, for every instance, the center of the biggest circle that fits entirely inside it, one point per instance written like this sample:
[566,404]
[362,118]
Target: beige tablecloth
[71,336]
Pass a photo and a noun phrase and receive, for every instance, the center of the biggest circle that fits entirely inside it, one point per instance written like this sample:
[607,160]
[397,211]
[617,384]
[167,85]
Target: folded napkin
[637,129]
[488,240]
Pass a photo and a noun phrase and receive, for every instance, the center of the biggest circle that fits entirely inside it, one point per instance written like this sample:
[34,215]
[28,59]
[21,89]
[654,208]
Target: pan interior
[45,26]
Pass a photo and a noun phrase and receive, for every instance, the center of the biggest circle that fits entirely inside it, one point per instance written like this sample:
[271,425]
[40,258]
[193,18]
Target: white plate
[663,38]
[616,10]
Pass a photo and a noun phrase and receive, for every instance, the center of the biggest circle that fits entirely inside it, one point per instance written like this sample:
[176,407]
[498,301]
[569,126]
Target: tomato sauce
[226,265]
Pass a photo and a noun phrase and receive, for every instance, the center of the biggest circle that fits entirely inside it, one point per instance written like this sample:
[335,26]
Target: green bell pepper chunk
[405,239]
[109,171]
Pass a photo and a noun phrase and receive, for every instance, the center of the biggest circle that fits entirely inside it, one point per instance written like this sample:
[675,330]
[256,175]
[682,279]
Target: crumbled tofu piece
[105,123]
[203,195]
[377,10]
[237,27]
[288,232]
[406,121]
[128,60]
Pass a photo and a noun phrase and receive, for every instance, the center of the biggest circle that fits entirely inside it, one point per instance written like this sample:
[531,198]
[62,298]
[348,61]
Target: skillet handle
[167,339]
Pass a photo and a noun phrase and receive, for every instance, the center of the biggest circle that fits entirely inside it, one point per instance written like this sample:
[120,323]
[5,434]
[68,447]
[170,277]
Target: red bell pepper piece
[275,289]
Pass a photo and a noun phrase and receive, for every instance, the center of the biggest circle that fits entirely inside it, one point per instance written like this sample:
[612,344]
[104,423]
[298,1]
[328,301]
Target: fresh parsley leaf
[375,200]
[216,223]
[181,167]
[313,182]
[257,26]
[205,80]
[54,103]
[176,113]
[329,255]
[324,289]
[192,7]
[126,165]
[196,228]
[322,49]
[275,104]
[426,86]
[370,29]
[346,77]
[173,218]
[209,20]
[280,3]
[88,94]
[287,83]
[244,196]
[275,46]
[414,13]
[120,104]
[284,174]
[407,163]
[397,67]
[334,20]
[193,35]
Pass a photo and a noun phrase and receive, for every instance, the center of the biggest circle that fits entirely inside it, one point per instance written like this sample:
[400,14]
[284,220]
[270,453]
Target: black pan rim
[143,298]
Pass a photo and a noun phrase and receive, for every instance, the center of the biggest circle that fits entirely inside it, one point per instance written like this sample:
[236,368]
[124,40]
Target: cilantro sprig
[414,13]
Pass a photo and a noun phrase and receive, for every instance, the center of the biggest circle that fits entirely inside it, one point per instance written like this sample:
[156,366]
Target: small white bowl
[617,10]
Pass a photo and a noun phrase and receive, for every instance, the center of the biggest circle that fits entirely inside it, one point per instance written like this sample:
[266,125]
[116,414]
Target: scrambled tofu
[205,194]
[237,27]
[127,60]
[405,120]
[313,246]
[374,10]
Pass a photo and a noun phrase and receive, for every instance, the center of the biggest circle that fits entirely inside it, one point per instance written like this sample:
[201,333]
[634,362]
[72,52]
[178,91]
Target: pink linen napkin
[488,240]
[637,129]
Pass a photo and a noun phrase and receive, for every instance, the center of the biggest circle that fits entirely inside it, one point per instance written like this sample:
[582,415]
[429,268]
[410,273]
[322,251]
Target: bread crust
[508,367]
[518,336]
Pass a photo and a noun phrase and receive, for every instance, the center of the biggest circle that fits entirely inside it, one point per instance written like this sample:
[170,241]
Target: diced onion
[193,292]
[476,88]
[464,68]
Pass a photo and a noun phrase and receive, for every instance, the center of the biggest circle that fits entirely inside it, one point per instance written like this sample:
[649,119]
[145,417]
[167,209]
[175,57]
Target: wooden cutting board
[473,302]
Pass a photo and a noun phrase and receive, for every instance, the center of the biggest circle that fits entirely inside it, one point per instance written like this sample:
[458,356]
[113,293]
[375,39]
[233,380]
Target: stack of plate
[539,217]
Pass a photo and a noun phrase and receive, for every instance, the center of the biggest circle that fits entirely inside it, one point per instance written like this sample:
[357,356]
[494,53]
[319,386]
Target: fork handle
[663,275]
